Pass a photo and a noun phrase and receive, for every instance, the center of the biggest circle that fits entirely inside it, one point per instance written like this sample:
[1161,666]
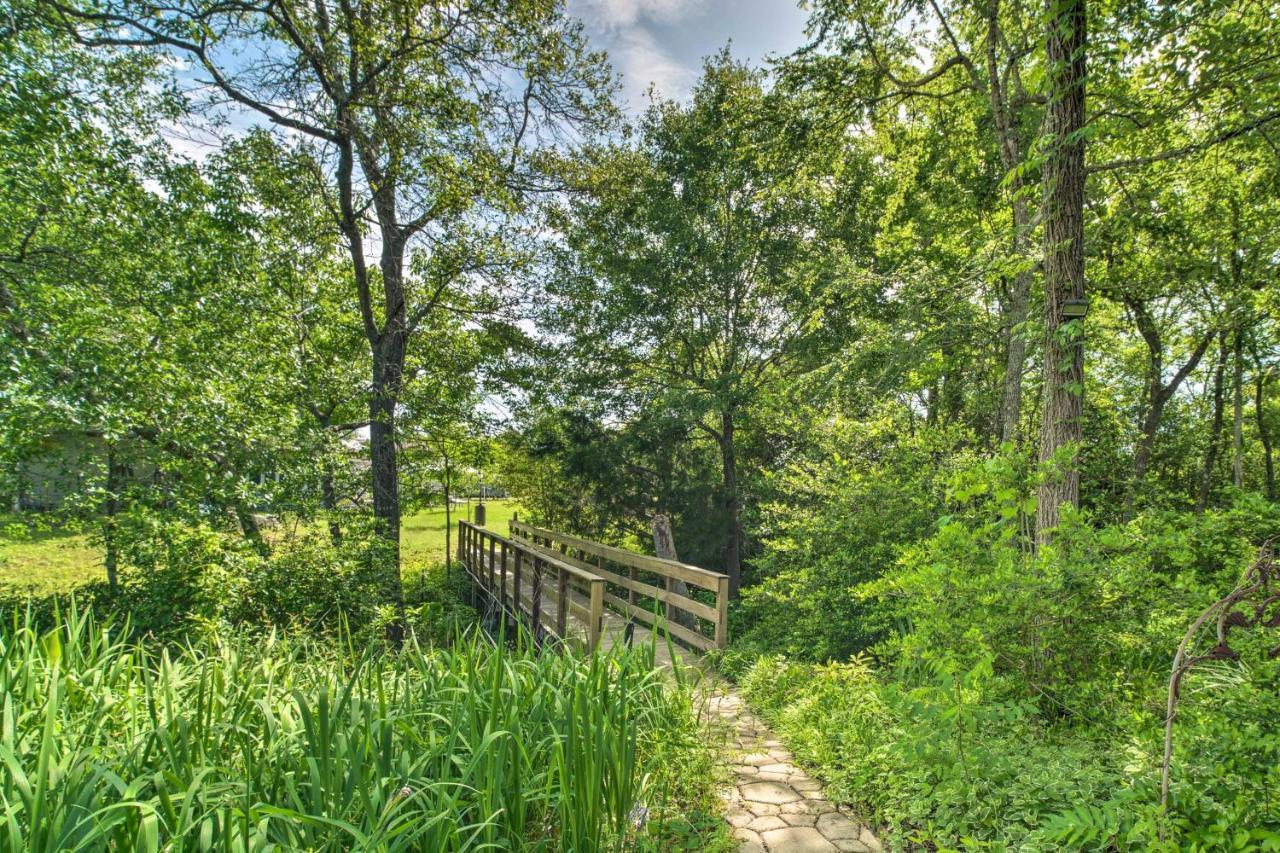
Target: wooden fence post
[493,563]
[537,599]
[562,606]
[502,579]
[596,618]
[518,593]
[722,613]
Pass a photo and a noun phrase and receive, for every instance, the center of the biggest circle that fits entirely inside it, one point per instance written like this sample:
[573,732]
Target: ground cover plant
[245,743]
[1015,699]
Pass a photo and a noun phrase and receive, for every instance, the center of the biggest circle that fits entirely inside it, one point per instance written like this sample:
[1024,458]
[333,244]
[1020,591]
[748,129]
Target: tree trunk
[1215,431]
[1264,436]
[664,545]
[733,542]
[1008,128]
[448,518]
[110,546]
[386,495]
[1063,216]
[1237,417]
[1159,393]
[1015,357]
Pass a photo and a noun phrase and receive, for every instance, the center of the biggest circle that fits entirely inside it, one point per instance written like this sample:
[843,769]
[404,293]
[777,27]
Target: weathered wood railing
[529,584]
[646,580]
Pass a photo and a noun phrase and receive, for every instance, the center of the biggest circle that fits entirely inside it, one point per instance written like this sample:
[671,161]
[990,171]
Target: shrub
[1019,702]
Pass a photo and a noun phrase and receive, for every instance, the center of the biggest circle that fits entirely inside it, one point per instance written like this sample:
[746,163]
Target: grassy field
[422,538]
[44,562]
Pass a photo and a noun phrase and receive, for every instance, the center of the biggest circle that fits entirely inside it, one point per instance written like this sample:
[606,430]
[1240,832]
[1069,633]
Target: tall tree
[697,264]
[425,116]
[1062,211]
[980,55]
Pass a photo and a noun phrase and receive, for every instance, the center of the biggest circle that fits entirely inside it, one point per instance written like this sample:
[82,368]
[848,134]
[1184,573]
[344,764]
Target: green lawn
[49,561]
[44,562]
[422,537]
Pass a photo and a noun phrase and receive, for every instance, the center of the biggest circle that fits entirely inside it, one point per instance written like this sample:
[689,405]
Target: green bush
[248,743]
[832,521]
[1019,702]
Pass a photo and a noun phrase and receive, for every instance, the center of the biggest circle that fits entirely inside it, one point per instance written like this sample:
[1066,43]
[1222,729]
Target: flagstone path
[772,804]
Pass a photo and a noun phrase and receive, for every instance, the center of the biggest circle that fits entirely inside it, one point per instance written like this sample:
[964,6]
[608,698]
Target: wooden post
[502,579]
[722,613]
[537,599]
[493,563]
[562,606]
[519,603]
[595,626]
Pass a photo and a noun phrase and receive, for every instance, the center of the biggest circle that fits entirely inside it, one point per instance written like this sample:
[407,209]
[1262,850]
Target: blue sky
[663,41]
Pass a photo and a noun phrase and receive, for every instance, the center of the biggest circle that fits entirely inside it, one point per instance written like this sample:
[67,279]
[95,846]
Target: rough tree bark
[1063,215]
[1005,114]
[1215,430]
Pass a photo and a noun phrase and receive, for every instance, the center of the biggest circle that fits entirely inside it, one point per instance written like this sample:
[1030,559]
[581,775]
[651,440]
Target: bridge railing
[648,584]
[530,584]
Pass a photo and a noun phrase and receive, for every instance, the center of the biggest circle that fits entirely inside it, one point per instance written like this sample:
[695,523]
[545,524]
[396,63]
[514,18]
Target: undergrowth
[236,742]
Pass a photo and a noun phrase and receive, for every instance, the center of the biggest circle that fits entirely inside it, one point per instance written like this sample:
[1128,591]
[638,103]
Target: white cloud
[642,61]
[625,28]
[620,14]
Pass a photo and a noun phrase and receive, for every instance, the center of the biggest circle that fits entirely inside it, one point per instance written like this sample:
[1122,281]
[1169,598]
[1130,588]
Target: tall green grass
[239,743]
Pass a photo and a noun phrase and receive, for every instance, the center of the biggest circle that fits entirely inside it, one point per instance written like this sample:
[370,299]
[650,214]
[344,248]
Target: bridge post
[537,600]
[562,606]
[595,625]
[493,563]
[502,579]
[519,596]
[722,613]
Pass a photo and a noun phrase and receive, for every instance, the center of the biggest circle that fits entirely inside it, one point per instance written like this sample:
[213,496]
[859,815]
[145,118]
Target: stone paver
[773,805]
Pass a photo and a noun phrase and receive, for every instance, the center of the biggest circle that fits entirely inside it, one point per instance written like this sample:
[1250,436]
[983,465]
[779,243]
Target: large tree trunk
[1063,216]
[1215,430]
[386,493]
[732,508]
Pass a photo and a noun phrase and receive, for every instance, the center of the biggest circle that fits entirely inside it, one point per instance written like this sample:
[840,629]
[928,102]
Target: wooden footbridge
[573,591]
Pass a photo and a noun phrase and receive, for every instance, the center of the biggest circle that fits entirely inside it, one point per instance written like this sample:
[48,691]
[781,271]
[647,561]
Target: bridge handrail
[472,540]
[716,582]
[695,575]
